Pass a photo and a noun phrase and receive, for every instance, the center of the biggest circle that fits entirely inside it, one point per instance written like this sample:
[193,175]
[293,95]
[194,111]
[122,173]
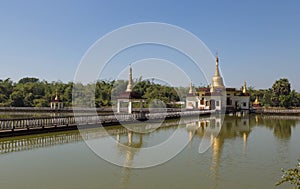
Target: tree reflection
[239,127]
[281,125]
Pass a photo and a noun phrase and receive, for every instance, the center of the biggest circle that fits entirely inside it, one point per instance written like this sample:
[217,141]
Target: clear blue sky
[257,41]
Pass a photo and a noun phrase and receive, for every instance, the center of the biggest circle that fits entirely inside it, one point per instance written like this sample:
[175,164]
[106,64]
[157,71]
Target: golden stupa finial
[256,102]
[217,73]
[245,87]
[56,95]
[217,58]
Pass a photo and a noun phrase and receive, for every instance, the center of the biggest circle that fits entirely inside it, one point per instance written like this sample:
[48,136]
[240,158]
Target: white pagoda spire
[129,86]
[191,88]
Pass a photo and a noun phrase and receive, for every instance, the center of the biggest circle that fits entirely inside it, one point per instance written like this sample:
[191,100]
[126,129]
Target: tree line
[279,95]
[31,92]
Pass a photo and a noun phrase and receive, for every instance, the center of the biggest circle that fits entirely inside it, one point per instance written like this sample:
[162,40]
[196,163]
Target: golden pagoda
[217,80]
[256,103]
[245,87]
[218,97]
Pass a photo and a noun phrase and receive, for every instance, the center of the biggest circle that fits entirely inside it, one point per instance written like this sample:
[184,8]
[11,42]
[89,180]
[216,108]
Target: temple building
[217,96]
[56,103]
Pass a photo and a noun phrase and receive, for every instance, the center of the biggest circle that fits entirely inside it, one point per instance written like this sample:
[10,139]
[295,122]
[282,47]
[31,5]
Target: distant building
[56,103]
[256,103]
[128,97]
[217,96]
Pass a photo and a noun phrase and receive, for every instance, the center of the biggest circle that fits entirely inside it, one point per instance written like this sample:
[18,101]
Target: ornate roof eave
[130,95]
[213,94]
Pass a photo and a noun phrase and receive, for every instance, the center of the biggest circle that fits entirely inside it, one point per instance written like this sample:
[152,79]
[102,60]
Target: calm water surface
[247,153]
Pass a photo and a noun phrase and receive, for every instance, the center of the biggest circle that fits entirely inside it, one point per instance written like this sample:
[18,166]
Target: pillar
[130,106]
[118,106]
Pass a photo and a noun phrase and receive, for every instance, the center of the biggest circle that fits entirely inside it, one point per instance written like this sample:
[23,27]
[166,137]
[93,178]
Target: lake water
[246,152]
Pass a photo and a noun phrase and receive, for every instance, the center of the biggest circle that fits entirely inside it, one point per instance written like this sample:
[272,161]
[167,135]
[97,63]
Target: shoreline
[277,111]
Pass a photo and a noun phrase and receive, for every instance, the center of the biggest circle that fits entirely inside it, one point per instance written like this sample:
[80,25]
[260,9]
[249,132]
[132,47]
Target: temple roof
[203,89]
[129,95]
[256,102]
[207,92]
[213,94]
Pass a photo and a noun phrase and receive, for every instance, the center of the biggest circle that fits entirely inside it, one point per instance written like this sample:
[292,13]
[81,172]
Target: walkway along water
[24,126]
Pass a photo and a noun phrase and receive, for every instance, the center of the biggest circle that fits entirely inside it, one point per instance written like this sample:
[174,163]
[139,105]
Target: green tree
[181,92]
[28,100]
[281,89]
[291,176]
[40,103]
[267,97]
[103,93]
[141,86]
[6,88]
[28,79]
[118,87]
[285,101]
[17,98]
[67,96]
[84,95]
[295,99]
[160,93]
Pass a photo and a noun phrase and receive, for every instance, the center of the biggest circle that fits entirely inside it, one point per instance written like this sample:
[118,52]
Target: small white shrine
[56,103]
[127,98]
